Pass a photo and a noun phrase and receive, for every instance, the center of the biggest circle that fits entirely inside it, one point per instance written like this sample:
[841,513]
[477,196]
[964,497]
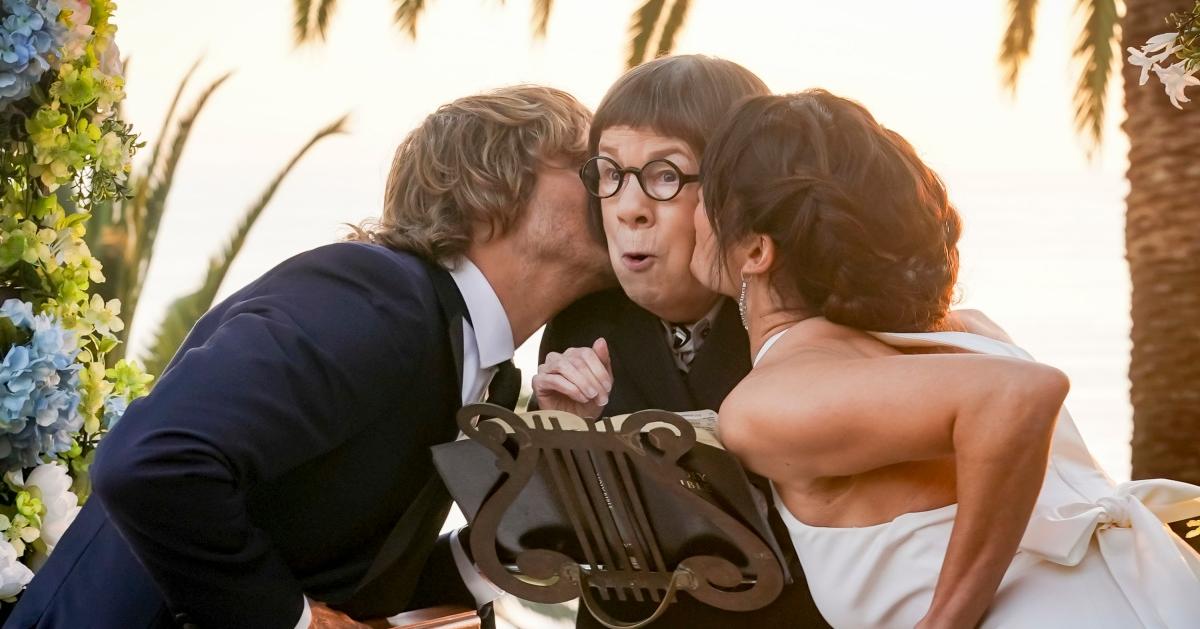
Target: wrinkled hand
[974,321]
[577,381]
[325,618]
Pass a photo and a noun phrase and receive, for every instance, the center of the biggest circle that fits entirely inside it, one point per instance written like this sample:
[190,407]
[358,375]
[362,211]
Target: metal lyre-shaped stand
[603,476]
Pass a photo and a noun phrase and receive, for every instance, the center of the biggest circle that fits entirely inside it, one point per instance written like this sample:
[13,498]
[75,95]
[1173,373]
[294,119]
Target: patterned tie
[686,341]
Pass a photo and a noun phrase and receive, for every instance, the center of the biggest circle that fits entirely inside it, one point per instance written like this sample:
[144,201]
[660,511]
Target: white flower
[14,575]
[1164,42]
[1138,58]
[104,317]
[1160,42]
[1176,80]
[61,504]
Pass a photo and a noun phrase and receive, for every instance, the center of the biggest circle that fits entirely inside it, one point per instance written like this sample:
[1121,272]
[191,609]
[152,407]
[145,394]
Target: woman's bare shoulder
[789,369]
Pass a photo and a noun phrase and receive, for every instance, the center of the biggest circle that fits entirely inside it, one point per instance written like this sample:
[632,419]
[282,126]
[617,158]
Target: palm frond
[110,235]
[675,19]
[325,9]
[163,133]
[148,216]
[1018,40]
[641,29]
[408,13]
[1096,52]
[541,16]
[184,312]
[303,20]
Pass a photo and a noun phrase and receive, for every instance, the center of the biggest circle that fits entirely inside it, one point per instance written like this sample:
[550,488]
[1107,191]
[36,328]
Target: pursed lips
[637,248]
[637,260]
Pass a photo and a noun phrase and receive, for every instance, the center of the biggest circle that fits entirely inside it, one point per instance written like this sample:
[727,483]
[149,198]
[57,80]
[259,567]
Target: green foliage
[1018,39]
[124,231]
[641,29]
[1187,24]
[671,28]
[648,32]
[1095,53]
[408,12]
[185,311]
[541,16]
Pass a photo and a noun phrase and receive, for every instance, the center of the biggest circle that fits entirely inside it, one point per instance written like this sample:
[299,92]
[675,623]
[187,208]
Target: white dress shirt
[487,342]
[488,337]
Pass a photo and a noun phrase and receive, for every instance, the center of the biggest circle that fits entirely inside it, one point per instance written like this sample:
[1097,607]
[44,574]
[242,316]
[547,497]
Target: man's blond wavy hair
[473,163]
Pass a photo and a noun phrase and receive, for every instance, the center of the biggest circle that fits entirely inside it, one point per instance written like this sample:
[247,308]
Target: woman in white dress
[928,478]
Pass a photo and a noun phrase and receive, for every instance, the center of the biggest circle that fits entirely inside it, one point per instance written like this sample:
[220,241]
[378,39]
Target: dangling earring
[742,309]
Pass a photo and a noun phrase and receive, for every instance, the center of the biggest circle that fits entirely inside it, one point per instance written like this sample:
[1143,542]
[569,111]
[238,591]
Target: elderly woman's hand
[577,381]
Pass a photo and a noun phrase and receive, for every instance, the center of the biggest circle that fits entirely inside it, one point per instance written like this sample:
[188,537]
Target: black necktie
[505,388]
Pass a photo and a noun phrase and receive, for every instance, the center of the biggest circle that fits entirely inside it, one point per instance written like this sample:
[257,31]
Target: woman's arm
[995,415]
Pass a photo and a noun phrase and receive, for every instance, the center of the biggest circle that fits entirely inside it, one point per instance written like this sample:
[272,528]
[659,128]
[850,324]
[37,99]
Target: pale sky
[1043,246]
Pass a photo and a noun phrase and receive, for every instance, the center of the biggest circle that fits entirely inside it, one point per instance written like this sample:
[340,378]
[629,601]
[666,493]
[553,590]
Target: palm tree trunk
[1162,243]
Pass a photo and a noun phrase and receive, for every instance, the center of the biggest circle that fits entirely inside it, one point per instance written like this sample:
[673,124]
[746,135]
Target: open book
[705,423]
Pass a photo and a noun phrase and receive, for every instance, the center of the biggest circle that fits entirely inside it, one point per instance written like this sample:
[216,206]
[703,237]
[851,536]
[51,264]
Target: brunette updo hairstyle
[863,230]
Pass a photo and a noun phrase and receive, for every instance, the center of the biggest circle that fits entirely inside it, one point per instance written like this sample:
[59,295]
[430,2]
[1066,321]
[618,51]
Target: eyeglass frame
[684,178]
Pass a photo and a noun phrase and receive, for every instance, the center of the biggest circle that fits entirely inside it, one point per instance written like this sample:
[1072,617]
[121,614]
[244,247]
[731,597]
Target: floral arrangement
[63,151]
[1182,44]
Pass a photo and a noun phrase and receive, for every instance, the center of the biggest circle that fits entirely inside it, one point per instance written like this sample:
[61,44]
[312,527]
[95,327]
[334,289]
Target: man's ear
[760,255]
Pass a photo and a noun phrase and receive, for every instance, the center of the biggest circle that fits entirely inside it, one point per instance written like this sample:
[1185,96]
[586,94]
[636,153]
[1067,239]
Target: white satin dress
[1096,554]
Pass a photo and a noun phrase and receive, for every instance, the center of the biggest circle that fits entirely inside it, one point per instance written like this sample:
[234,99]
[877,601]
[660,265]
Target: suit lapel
[650,366]
[392,575]
[723,360]
[454,311]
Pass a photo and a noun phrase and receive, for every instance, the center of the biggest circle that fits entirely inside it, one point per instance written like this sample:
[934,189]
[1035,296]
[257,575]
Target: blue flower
[114,409]
[29,36]
[52,341]
[17,311]
[16,361]
[39,390]
[22,19]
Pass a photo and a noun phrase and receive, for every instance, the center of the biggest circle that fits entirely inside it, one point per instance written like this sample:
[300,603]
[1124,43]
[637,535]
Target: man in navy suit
[281,464]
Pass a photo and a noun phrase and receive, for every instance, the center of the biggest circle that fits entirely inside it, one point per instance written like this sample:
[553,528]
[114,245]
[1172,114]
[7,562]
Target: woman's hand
[577,381]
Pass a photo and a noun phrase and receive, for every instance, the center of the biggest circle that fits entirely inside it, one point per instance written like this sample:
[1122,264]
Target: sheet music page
[705,423]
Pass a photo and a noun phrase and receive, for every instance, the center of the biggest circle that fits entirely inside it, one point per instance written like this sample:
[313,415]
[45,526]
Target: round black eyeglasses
[660,179]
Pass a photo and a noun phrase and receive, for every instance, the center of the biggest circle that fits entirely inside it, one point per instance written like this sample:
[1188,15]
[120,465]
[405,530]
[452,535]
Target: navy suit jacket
[273,458]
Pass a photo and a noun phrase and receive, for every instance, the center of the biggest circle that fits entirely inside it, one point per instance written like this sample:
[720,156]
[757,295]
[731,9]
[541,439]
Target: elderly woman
[662,340]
